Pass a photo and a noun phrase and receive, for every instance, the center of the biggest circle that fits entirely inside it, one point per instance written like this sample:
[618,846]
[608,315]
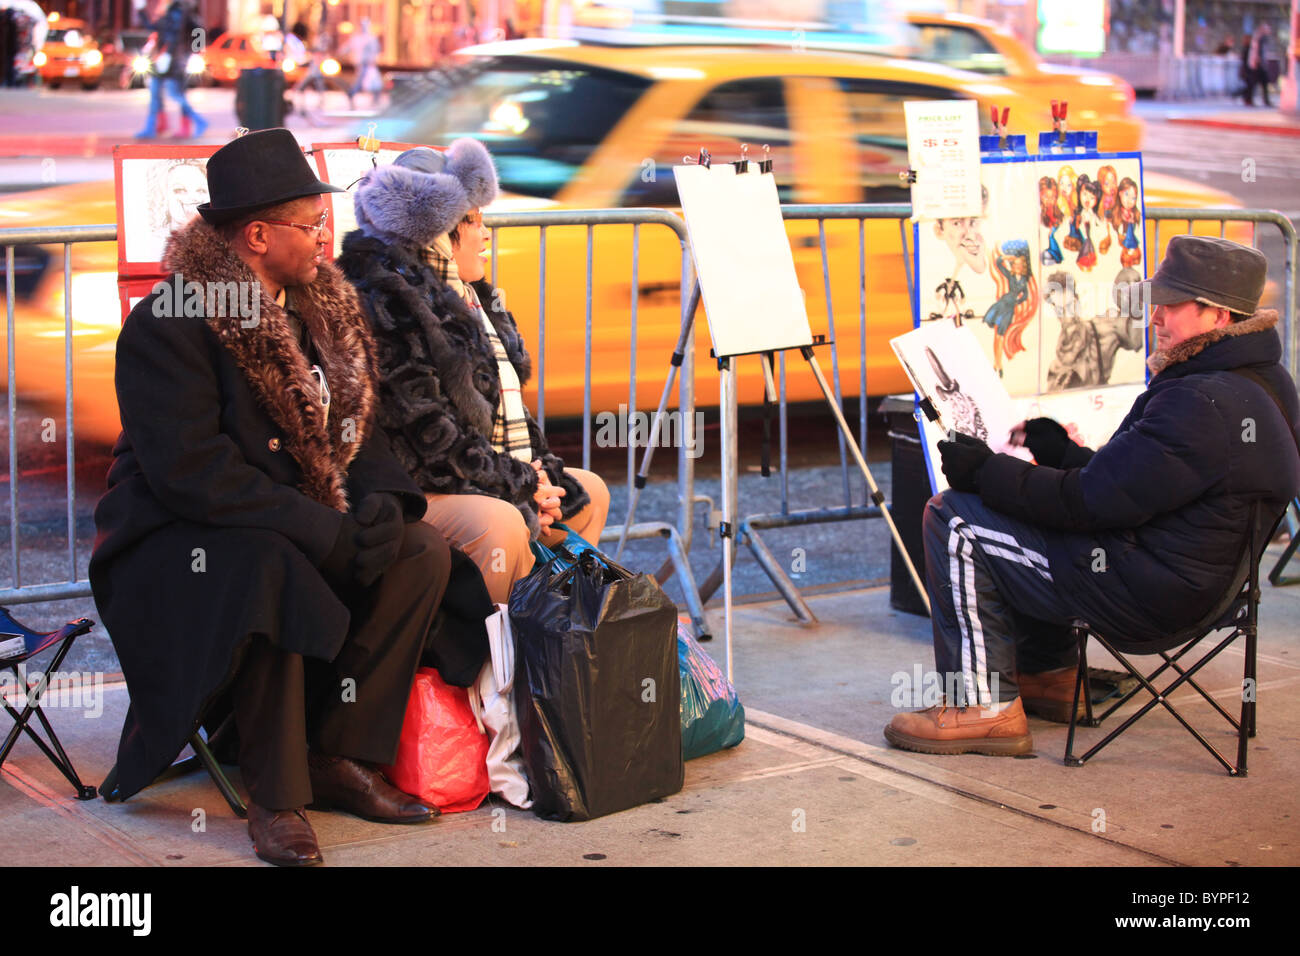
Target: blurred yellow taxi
[69,53]
[231,53]
[590,127]
[582,127]
[1097,100]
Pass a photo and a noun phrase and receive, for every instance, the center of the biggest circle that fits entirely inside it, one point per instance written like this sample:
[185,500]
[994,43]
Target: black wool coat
[226,492]
[439,386]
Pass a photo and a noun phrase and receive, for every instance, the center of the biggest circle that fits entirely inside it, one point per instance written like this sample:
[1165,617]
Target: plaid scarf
[510,423]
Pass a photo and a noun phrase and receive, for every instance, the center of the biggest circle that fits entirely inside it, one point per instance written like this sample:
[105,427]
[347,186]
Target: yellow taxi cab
[231,53]
[69,54]
[590,127]
[579,127]
[1096,99]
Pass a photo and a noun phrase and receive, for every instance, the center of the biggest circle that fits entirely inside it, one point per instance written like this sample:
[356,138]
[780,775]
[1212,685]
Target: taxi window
[243,46]
[751,111]
[955,46]
[541,119]
[875,109]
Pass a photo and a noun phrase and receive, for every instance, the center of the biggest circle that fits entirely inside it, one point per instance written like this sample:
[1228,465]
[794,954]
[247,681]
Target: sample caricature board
[343,164]
[158,190]
[1043,280]
[946,365]
[742,257]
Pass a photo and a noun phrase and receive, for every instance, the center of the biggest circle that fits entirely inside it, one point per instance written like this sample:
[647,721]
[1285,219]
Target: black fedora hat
[256,171]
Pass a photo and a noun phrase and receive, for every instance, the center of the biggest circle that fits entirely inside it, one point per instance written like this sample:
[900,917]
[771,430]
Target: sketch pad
[742,257]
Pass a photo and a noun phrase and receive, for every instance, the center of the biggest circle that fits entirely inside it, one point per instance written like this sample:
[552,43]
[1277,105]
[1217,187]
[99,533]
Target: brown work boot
[1050,695]
[283,837]
[344,784]
[963,730]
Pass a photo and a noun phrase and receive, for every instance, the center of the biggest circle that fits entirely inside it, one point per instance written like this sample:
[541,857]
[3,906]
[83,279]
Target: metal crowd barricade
[676,536]
[9,239]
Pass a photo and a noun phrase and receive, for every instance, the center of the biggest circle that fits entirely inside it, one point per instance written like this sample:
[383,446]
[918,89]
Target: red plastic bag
[442,755]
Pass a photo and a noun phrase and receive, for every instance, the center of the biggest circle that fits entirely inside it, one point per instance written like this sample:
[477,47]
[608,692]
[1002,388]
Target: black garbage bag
[596,687]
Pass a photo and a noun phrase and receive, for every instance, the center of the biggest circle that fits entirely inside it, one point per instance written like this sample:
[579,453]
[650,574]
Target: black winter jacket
[439,386]
[1166,499]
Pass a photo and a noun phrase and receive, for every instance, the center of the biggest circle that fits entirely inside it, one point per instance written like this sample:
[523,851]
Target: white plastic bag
[492,699]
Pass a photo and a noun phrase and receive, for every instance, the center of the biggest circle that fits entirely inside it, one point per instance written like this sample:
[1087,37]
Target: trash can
[259,98]
[910,491]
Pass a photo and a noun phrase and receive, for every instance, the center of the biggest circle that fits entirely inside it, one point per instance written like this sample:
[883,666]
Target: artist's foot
[963,730]
[1050,695]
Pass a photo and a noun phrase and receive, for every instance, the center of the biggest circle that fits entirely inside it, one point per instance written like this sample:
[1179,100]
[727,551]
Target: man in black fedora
[259,549]
[1138,537]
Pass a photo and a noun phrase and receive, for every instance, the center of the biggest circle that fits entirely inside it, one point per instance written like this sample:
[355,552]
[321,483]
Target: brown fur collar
[1261,320]
[276,369]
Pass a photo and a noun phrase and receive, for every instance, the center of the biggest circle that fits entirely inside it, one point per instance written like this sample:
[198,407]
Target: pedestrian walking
[365,54]
[1255,57]
[175,29]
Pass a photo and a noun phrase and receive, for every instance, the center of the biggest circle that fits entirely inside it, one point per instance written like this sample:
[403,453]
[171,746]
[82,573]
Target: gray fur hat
[425,193]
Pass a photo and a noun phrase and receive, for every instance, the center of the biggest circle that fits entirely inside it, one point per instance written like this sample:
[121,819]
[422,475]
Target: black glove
[962,461]
[380,537]
[367,542]
[1047,440]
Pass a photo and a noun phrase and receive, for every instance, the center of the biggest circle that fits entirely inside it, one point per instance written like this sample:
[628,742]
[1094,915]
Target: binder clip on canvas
[999,141]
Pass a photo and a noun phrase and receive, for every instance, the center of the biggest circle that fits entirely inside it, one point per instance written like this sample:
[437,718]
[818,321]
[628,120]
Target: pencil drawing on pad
[742,257]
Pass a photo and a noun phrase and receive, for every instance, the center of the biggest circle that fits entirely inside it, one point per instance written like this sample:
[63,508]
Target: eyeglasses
[313,231]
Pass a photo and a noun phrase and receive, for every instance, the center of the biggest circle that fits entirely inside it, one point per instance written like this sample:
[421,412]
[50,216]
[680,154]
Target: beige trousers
[492,532]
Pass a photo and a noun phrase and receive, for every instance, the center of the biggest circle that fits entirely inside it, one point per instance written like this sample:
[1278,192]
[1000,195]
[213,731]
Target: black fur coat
[439,388]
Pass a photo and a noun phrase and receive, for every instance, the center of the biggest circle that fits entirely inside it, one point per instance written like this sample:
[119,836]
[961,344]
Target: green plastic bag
[712,716]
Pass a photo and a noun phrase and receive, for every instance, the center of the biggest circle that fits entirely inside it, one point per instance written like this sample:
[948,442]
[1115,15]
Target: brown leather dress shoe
[1050,695]
[345,784]
[283,837]
[963,730]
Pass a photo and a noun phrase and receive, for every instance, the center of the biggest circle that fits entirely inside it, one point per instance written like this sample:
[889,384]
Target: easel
[727,367]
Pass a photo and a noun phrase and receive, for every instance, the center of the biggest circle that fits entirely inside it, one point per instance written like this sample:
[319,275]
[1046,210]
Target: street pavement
[813,783]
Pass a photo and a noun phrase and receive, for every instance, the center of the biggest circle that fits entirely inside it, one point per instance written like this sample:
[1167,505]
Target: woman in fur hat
[453,365]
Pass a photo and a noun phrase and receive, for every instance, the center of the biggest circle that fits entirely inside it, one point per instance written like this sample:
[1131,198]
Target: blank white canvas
[743,260]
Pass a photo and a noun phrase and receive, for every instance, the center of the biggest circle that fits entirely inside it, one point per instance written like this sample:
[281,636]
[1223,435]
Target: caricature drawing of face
[1065,182]
[186,190]
[964,240]
[1109,181]
[1128,196]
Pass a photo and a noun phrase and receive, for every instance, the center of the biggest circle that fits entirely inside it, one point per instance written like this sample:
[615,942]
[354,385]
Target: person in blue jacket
[1138,537]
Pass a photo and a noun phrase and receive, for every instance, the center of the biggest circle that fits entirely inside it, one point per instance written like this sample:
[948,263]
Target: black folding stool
[1237,611]
[204,757]
[18,644]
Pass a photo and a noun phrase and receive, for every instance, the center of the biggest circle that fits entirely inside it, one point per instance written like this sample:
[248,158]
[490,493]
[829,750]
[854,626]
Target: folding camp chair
[18,644]
[203,757]
[1237,612]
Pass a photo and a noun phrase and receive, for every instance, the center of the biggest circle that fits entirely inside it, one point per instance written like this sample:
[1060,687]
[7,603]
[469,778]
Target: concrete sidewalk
[813,783]
[1222,114]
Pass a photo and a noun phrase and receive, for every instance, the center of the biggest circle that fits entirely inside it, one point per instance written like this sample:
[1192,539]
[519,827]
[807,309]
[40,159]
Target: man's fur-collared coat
[439,385]
[226,490]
